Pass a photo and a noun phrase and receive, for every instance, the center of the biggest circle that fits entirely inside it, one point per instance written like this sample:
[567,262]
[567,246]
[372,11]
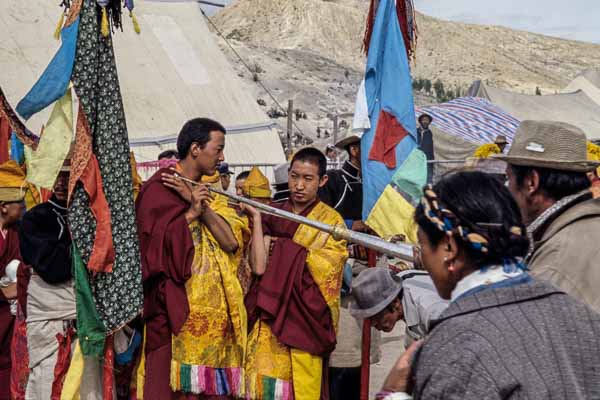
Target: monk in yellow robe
[195,320]
[293,310]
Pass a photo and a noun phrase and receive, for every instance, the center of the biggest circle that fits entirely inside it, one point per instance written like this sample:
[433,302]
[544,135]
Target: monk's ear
[323,181]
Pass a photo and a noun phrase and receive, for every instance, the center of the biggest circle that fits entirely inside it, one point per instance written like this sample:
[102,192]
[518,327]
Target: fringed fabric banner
[18,128]
[117,295]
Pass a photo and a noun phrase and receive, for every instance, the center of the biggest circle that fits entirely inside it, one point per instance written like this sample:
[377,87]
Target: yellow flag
[43,164]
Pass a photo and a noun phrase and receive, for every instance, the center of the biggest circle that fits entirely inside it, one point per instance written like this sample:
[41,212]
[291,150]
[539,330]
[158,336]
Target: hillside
[310,50]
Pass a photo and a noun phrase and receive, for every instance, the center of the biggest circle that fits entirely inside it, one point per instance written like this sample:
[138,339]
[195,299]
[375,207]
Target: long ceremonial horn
[398,250]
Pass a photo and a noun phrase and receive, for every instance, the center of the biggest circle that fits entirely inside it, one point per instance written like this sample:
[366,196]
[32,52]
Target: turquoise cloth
[410,178]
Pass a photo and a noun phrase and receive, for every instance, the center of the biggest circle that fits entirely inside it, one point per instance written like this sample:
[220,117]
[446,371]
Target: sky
[570,19]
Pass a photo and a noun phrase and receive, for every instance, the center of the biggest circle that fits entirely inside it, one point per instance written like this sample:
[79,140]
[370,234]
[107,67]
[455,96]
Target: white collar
[484,277]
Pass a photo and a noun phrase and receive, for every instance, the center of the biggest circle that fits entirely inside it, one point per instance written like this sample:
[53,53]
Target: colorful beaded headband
[447,222]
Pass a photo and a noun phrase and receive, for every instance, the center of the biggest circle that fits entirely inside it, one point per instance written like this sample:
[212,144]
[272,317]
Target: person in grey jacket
[504,335]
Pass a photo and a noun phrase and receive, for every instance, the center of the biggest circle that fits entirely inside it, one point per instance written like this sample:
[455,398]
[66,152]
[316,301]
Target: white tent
[171,72]
[574,108]
[588,82]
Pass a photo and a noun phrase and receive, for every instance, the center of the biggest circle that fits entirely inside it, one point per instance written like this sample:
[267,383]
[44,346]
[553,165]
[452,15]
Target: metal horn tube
[398,250]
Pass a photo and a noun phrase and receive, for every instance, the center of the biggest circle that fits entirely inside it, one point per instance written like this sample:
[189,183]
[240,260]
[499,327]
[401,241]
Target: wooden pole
[335,129]
[290,125]
[365,367]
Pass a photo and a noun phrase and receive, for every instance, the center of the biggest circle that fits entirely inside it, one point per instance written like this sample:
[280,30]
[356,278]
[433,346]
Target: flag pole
[365,366]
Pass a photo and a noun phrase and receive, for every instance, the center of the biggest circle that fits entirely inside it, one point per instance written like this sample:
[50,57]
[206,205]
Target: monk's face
[208,157]
[304,182]
[239,186]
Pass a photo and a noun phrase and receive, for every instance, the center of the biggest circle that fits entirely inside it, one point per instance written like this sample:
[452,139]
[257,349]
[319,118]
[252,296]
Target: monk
[193,303]
[11,209]
[255,186]
[295,309]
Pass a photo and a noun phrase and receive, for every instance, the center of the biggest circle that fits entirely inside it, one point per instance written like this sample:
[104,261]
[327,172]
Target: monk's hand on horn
[172,181]
[200,199]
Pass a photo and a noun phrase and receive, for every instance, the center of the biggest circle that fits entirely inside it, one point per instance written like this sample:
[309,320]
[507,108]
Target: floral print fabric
[117,295]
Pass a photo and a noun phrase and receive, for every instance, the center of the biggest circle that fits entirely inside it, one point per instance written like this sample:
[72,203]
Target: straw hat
[549,144]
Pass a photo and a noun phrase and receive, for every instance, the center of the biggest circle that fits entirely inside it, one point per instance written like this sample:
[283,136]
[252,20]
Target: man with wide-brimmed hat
[501,142]
[547,175]
[343,190]
[385,298]
[425,141]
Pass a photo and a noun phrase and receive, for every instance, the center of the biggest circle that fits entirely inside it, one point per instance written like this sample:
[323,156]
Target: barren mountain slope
[456,53]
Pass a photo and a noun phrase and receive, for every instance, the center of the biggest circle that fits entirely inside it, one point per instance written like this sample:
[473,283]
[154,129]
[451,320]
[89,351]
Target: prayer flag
[393,169]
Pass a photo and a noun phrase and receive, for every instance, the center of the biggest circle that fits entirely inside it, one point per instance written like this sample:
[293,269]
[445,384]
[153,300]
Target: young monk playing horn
[293,312]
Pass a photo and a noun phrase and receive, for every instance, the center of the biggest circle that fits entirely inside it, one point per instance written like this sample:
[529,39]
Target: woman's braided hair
[478,211]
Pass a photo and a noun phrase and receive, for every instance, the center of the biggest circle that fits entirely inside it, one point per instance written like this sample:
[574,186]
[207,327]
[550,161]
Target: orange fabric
[74,11]
[103,253]
[85,168]
[388,134]
[82,151]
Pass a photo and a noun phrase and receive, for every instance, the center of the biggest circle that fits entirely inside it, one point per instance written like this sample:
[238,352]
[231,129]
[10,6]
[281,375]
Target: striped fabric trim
[472,118]
[199,379]
[267,388]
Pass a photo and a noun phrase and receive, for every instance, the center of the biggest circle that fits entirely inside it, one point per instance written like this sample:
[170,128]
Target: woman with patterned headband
[504,335]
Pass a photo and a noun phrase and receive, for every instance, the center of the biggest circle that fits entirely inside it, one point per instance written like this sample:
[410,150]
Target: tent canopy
[574,108]
[588,82]
[173,71]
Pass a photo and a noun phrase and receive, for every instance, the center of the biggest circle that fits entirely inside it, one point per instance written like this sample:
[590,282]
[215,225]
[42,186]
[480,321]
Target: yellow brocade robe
[273,370]
[208,354]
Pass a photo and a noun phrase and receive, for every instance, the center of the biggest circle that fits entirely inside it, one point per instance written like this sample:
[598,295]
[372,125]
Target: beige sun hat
[347,141]
[549,144]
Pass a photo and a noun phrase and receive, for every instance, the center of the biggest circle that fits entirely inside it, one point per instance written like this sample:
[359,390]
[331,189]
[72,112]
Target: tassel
[104,25]
[136,26]
[369,26]
[59,26]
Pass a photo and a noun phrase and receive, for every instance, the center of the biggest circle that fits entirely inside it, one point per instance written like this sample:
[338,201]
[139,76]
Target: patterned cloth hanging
[117,295]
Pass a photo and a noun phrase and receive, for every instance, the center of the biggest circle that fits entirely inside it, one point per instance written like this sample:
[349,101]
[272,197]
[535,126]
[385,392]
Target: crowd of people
[500,302]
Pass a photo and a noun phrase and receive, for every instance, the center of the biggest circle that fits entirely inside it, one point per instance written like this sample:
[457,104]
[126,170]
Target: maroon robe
[167,251]
[9,250]
[287,297]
